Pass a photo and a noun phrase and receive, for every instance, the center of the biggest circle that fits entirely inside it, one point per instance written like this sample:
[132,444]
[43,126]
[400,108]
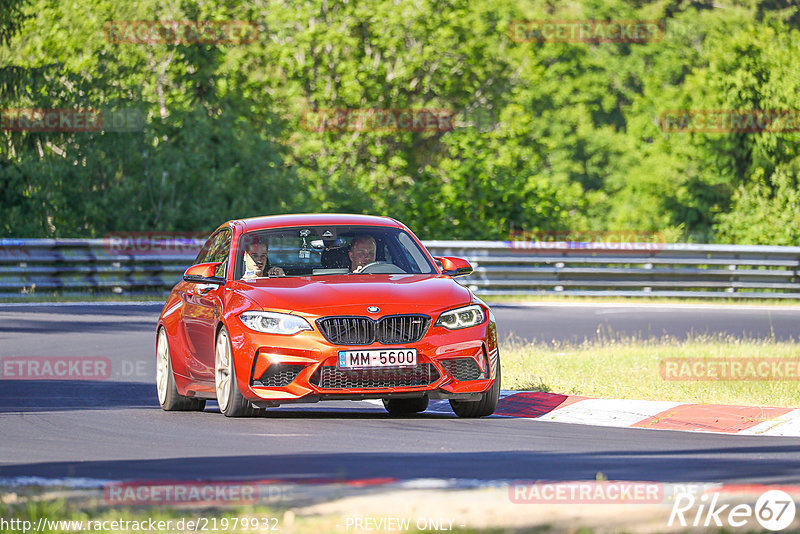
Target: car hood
[352,294]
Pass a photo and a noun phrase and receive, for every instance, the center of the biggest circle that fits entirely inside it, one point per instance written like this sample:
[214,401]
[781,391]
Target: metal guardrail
[75,266]
[628,269]
[78,266]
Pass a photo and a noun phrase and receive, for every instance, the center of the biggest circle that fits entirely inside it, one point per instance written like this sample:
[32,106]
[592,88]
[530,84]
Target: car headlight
[274,323]
[461,317]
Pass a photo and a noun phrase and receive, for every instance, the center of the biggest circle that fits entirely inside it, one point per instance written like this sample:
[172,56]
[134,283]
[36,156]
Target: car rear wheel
[483,407]
[405,406]
[230,399]
[168,396]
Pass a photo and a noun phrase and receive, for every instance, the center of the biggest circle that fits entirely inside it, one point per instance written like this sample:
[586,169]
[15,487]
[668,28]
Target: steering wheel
[365,268]
[381,267]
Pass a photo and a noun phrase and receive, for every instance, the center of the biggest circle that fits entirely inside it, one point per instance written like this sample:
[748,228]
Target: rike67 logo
[774,510]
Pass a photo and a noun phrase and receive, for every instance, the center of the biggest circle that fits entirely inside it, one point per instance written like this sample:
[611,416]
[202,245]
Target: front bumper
[273,370]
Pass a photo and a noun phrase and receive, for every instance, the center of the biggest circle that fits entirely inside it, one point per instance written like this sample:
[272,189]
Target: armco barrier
[627,269]
[67,266]
[36,266]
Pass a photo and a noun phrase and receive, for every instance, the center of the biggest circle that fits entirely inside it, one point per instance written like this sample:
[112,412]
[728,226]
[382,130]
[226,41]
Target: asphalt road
[112,428]
[574,322]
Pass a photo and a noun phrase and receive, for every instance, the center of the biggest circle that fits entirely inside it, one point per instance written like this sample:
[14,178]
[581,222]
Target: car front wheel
[230,399]
[483,407]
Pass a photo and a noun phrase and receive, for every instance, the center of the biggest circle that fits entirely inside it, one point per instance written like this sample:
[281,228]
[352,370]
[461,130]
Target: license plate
[362,359]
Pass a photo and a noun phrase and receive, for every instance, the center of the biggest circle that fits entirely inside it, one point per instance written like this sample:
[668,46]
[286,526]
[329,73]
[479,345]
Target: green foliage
[766,211]
[12,15]
[547,136]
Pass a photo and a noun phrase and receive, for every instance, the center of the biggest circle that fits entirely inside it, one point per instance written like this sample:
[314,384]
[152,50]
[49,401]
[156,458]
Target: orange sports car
[302,308]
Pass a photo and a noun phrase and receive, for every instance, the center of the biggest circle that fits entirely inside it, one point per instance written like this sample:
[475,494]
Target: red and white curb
[659,415]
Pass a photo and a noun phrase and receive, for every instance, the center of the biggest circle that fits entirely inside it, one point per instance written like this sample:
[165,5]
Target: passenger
[256,260]
[362,252]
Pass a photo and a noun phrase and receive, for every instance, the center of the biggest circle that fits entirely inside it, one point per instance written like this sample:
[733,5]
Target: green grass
[27,511]
[533,299]
[136,520]
[630,369]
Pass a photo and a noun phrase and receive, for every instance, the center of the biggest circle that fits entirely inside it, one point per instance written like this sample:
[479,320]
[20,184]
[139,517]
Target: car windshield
[329,250]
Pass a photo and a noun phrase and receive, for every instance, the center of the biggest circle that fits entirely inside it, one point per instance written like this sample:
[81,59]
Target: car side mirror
[203,273]
[454,266]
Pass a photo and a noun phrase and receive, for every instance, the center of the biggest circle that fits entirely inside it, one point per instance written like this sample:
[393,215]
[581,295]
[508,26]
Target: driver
[362,252]
[256,259]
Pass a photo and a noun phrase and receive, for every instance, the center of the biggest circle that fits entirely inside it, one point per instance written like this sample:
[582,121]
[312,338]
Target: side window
[411,249]
[202,256]
[221,251]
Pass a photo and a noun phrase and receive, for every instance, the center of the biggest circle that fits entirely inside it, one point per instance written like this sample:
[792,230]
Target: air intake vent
[330,377]
[462,368]
[279,375]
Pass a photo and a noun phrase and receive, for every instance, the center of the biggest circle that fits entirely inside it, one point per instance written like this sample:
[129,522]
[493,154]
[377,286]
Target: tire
[230,399]
[405,406]
[168,396]
[480,408]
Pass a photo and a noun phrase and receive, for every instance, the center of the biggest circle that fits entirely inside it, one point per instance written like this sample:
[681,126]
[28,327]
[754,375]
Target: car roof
[315,219]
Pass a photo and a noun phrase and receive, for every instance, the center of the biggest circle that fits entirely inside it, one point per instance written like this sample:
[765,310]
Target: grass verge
[631,369]
[518,299]
[58,516]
